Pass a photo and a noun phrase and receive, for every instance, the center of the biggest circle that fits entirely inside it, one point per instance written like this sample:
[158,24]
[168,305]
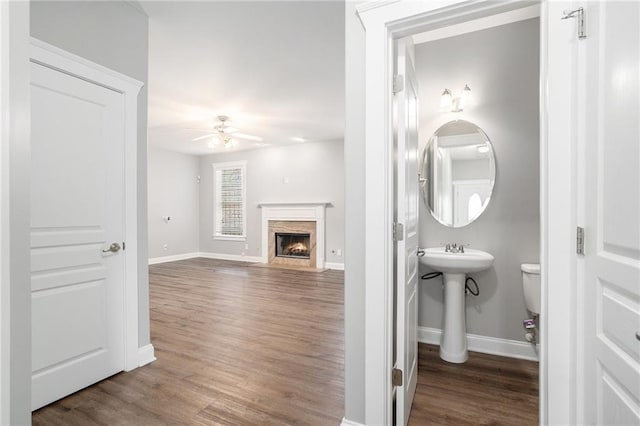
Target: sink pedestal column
[453,345]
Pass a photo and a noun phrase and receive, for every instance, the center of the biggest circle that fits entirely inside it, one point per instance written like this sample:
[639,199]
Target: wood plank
[235,345]
[486,390]
[239,345]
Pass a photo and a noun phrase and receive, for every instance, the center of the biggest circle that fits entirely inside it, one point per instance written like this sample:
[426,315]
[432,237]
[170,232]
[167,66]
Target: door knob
[114,248]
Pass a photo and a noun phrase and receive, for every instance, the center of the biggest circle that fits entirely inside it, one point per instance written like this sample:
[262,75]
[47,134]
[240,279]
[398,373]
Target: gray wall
[315,172]
[354,283]
[501,65]
[115,35]
[173,192]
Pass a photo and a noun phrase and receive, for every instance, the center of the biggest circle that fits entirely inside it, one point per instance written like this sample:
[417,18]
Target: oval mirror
[457,174]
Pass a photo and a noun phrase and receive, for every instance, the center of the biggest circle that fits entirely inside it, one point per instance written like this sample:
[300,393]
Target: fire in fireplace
[293,245]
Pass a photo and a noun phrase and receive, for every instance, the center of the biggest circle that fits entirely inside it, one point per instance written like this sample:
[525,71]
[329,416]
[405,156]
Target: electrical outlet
[165,247]
[339,252]
[241,253]
[246,246]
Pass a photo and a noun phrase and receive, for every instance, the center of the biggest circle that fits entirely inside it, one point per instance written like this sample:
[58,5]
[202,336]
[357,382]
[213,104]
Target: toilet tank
[531,286]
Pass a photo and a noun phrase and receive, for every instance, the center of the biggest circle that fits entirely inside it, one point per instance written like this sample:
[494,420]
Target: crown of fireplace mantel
[295,211]
[295,204]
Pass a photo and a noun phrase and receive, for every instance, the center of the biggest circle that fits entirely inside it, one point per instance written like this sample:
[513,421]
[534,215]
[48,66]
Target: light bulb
[445,100]
[465,98]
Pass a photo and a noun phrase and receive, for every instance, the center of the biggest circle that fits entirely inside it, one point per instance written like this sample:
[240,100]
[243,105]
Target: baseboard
[336,266]
[173,258]
[236,257]
[146,355]
[346,422]
[485,344]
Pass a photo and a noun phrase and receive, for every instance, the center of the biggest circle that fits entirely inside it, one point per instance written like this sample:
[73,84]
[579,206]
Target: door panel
[611,191]
[407,246]
[77,211]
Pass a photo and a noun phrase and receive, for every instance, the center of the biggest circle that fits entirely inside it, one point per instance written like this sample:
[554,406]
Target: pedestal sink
[455,266]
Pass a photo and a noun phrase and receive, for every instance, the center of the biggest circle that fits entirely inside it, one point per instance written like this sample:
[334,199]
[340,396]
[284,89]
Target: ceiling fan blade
[247,137]
[203,137]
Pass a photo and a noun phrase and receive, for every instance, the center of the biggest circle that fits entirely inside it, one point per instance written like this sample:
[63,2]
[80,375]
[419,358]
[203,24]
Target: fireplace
[293,245]
[293,220]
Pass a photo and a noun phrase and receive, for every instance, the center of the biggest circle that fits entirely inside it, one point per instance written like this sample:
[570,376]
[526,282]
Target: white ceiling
[275,68]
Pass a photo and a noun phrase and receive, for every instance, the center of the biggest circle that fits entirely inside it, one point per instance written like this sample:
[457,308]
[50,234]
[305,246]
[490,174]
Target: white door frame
[15,260]
[385,21]
[58,59]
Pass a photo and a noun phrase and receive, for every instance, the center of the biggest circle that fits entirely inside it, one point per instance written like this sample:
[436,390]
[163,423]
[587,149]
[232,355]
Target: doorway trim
[386,20]
[52,57]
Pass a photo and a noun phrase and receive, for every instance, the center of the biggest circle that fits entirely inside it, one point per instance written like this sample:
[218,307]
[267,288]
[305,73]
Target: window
[229,207]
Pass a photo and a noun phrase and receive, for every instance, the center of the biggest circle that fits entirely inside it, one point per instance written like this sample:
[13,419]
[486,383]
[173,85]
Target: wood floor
[235,345]
[243,345]
[486,390]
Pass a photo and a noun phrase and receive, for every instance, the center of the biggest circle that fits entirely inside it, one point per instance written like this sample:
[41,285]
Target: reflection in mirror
[457,174]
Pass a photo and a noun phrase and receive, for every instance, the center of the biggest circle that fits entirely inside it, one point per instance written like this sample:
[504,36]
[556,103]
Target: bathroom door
[77,212]
[407,243]
[611,188]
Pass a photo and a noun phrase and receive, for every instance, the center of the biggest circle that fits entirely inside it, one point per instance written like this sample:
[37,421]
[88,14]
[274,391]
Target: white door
[611,103]
[77,289]
[407,244]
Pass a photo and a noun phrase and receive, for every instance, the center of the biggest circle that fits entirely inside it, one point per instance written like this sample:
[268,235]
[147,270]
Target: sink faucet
[454,248]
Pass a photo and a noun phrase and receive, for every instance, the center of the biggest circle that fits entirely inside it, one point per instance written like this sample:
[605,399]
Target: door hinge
[398,231]
[580,240]
[577,13]
[396,377]
[398,83]
[124,246]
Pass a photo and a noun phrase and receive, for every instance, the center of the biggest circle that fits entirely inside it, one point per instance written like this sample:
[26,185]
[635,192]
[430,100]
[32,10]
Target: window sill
[230,237]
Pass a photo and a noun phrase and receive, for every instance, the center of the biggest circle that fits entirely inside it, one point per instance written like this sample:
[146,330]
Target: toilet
[531,287]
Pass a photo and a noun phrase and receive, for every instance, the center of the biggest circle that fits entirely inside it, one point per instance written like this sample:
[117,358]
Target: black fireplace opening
[293,245]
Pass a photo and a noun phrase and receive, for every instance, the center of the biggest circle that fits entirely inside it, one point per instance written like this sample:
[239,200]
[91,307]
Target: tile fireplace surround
[294,218]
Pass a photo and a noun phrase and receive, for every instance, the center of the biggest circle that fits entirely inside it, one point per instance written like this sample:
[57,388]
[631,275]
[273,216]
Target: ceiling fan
[226,134]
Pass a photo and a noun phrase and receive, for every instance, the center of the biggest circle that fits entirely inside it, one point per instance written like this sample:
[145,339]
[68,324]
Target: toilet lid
[531,268]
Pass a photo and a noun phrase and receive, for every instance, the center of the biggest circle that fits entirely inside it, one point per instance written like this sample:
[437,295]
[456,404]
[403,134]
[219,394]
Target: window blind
[230,211]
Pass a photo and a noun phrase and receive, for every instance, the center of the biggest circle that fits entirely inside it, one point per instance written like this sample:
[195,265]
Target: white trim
[285,204]
[146,355]
[311,212]
[485,344]
[235,257]
[373,4]
[383,24]
[334,265]
[15,156]
[346,422]
[173,258]
[221,237]
[479,24]
[53,57]
[558,217]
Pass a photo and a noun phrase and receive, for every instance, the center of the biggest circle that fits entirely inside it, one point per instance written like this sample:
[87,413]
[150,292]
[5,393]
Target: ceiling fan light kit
[226,134]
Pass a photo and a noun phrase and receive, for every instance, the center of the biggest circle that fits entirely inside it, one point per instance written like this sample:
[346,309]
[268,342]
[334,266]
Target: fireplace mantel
[287,204]
[288,211]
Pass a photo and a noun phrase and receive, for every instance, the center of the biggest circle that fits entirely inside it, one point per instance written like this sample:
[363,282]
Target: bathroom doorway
[479,150]
[447,26]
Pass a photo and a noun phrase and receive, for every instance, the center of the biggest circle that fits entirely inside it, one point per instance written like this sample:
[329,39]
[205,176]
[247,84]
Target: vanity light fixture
[448,102]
